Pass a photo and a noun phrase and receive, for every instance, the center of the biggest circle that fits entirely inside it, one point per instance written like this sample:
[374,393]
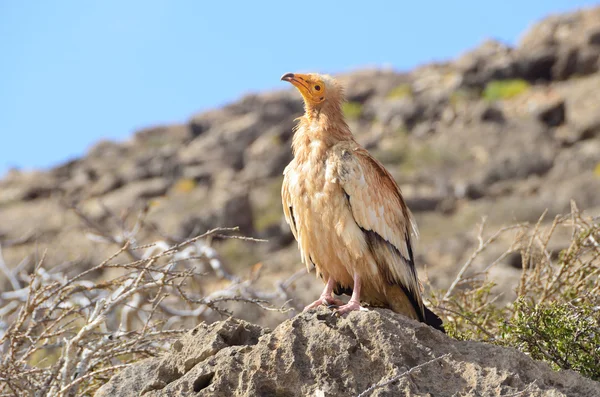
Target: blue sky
[74,72]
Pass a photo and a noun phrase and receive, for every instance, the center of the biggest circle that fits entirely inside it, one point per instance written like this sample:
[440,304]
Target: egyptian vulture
[347,212]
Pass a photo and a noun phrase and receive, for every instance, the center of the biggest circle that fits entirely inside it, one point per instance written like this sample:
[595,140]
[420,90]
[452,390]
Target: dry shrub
[66,335]
[556,315]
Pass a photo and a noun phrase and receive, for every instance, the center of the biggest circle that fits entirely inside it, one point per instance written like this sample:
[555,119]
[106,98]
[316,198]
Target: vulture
[346,211]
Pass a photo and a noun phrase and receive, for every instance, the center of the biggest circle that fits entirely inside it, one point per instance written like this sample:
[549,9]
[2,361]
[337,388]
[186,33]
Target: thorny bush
[555,316]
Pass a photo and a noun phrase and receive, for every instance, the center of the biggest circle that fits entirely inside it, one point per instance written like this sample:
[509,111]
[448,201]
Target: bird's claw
[349,307]
[328,301]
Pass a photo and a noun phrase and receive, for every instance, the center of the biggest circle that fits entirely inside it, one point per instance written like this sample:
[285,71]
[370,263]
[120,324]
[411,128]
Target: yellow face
[311,86]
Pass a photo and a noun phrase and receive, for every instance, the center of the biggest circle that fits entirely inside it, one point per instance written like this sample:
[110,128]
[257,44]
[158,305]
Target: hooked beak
[298,80]
[287,77]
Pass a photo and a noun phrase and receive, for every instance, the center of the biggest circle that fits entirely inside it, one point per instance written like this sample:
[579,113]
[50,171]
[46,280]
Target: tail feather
[399,303]
[399,300]
[433,320]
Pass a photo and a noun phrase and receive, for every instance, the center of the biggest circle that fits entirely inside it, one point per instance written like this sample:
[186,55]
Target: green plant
[352,110]
[504,89]
[564,334]
[400,91]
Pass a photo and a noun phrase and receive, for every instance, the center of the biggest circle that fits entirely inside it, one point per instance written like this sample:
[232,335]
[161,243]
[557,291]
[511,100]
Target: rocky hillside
[499,132]
[319,354]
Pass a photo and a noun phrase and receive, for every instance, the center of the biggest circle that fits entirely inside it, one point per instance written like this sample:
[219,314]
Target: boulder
[320,354]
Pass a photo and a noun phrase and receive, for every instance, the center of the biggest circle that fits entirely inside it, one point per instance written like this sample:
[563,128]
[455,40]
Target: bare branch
[481,247]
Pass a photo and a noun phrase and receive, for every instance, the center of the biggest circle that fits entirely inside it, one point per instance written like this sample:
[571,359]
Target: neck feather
[324,122]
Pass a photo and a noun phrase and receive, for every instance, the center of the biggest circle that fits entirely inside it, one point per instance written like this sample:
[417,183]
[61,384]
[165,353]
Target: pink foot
[351,306]
[324,300]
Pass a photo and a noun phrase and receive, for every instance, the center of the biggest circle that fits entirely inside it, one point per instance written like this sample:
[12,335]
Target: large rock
[557,48]
[490,61]
[562,46]
[320,354]
[130,195]
[26,186]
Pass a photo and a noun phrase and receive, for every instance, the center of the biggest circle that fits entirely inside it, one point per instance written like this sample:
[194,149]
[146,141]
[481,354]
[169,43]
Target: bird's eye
[318,87]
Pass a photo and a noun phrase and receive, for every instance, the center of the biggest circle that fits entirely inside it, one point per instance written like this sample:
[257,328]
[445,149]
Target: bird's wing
[380,211]
[288,210]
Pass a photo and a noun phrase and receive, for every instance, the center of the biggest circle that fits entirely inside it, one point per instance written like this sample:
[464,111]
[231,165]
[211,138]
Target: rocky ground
[319,354]
[458,149]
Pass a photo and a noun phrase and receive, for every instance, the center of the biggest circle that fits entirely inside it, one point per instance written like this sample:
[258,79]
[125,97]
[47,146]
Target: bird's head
[316,89]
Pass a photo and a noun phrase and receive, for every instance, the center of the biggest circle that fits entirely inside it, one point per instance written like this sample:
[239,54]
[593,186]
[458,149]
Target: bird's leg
[354,302]
[326,297]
